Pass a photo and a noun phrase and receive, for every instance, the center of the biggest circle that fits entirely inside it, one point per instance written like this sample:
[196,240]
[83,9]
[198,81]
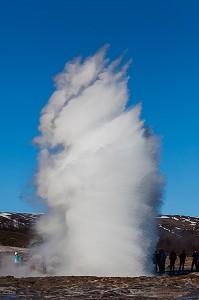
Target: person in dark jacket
[162,260]
[194,260]
[172,258]
[182,261]
[156,261]
[197,269]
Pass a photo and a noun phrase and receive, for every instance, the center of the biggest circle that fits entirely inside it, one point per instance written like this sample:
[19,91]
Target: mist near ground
[97,173]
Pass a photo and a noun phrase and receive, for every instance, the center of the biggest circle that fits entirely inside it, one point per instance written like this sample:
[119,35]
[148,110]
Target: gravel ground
[87,287]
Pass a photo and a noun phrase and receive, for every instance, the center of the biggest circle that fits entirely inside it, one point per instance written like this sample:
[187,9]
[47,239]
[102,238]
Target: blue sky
[39,36]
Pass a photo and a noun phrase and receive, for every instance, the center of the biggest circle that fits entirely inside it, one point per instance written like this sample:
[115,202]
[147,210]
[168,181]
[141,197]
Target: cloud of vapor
[98,173]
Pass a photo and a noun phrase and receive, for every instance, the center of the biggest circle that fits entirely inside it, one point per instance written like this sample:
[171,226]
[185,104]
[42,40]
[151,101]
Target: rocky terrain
[88,287]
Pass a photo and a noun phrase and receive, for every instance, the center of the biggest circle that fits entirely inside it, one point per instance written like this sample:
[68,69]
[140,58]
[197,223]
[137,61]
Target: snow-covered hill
[20,222]
[179,225]
[17,229]
[176,232]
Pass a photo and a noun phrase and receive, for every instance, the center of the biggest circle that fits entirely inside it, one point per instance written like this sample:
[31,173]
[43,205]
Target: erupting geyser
[97,173]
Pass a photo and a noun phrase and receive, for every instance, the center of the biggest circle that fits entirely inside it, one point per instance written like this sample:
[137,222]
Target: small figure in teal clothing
[17,258]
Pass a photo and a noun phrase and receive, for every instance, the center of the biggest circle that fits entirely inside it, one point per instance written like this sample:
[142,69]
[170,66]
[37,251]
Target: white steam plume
[97,173]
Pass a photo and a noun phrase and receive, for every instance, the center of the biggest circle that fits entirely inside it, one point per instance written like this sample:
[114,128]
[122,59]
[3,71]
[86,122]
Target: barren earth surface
[88,287]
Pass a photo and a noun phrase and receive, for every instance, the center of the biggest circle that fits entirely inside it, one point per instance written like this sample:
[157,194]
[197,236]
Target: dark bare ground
[89,287]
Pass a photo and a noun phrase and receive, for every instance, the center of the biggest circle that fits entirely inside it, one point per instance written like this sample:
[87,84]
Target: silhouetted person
[162,260]
[156,261]
[194,260]
[172,258]
[197,269]
[182,261]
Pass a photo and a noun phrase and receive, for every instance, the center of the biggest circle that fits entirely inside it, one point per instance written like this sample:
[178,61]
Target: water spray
[97,173]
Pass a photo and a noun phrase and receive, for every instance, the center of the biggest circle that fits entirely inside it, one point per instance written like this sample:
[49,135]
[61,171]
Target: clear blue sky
[162,36]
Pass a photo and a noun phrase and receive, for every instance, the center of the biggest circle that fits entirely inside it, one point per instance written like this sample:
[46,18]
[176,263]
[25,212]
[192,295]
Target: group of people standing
[159,260]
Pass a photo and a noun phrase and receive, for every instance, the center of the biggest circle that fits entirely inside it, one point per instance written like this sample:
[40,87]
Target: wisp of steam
[98,173]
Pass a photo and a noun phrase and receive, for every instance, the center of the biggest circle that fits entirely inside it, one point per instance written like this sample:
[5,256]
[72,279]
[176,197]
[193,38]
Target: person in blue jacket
[17,258]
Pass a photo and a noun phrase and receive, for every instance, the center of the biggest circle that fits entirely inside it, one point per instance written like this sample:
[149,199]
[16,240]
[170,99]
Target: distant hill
[176,232]
[17,229]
